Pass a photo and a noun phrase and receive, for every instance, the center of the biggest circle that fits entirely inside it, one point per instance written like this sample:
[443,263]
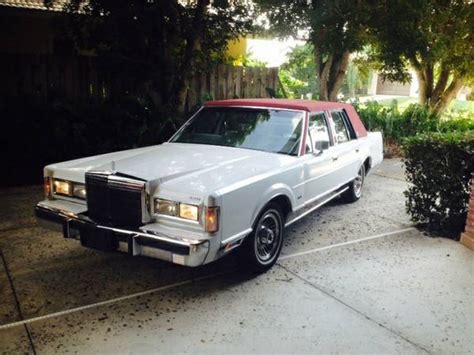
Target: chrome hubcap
[267,238]
[358,182]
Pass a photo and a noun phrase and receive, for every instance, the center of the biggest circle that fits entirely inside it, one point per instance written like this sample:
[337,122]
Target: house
[379,87]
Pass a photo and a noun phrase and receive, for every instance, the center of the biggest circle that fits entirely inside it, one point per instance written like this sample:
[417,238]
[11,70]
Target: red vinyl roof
[304,105]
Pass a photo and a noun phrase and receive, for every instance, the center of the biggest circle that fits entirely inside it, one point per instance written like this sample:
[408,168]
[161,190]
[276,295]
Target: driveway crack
[366,316]
[17,302]
[389,177]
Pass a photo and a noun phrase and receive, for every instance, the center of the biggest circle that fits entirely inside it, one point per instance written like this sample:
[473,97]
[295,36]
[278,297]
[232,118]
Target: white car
[234,176]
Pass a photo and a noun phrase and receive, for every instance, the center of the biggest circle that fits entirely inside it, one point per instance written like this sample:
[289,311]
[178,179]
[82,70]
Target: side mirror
[320,146]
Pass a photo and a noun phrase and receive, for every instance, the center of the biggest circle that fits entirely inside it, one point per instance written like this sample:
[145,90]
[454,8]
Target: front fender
[275,190]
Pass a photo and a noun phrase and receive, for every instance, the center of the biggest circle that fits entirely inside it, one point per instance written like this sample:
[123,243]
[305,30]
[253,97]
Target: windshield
[269,130]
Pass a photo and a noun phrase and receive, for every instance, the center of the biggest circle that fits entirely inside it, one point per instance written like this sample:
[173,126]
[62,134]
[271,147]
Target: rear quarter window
[343,127]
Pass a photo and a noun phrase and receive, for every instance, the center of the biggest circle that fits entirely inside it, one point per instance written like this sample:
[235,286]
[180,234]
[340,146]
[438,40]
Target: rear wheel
[355,187]
[260,250]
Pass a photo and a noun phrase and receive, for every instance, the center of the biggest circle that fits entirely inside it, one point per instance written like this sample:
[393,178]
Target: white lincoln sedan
[232,177]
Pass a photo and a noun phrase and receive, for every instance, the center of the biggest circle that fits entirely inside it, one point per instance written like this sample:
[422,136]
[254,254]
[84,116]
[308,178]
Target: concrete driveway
[354,278]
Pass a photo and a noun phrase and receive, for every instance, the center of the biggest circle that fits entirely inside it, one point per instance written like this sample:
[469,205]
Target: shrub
[438,167]
[415,119]
[456,125]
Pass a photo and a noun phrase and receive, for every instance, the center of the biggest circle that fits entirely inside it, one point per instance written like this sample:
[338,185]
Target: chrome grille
[114,199]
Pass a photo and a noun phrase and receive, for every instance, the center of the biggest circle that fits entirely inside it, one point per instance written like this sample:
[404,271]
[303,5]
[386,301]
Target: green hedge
[415,119]
[438,168]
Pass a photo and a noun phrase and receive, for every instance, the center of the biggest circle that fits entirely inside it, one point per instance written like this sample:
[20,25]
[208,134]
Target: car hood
[189,168]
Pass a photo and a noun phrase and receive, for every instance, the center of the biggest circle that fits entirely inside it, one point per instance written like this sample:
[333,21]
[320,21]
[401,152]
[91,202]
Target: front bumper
[134,242]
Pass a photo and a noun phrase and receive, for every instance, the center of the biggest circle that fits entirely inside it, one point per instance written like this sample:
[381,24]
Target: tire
[260,250]
[354,192]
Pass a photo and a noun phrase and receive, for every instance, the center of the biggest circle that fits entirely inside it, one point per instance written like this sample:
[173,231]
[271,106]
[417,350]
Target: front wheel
[260,250]
[355,187]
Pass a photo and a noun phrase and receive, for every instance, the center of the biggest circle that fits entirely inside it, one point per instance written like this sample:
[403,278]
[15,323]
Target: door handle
[357,150]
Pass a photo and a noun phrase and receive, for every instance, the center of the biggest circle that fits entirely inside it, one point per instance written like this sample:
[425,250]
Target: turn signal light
[47,187]
[212,219]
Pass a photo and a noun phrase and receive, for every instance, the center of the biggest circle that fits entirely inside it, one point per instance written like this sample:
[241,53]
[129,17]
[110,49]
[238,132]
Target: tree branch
[441,84]
[324,77]
[447,96]
[415,64]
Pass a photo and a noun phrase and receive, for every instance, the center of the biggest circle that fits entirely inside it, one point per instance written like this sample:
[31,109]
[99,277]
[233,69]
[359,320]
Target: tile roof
[33,4]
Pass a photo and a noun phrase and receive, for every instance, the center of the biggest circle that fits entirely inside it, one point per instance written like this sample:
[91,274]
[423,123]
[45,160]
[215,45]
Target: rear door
[319,166]
[345,153]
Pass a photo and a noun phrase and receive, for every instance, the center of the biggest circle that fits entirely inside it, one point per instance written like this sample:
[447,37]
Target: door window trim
[328,126]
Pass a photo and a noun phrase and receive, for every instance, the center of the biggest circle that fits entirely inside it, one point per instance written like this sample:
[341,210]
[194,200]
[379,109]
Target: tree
[335,28]
[158,43]
[434,37]
[297,75]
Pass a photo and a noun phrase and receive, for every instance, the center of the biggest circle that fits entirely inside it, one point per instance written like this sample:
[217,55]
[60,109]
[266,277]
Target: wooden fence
[80,77]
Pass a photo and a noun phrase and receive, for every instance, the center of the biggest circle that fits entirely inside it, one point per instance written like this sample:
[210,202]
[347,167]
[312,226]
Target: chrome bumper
[134,242]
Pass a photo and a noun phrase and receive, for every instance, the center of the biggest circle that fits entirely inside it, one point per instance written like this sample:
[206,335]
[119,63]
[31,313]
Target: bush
[37,133]
[415,119]
[439,167]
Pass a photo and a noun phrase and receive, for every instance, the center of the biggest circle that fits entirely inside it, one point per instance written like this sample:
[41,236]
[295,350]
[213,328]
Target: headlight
[188,211]
[62,187]
[166,207]
[176,209]
[79,191]
[69,188]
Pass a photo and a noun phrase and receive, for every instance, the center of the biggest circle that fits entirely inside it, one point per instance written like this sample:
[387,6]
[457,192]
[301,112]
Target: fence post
[238,82]
[467,238]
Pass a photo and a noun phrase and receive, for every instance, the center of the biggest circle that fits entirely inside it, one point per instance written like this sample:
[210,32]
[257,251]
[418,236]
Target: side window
[349,126]
[309,144]
[342,134]
[319,132]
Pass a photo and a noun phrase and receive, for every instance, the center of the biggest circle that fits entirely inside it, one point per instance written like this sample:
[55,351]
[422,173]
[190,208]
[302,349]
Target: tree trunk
[322,73]
[338,72]
[437,96]
[331,74]
[441,84]
[425,83]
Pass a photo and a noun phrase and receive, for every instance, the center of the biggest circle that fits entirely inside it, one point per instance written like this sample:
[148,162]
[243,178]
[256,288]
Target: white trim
[284,257]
